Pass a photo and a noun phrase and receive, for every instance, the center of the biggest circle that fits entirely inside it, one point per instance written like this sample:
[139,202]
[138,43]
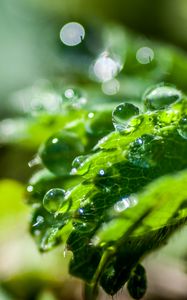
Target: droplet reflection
[125,203]
[106,67]
[72,34]
[144,55]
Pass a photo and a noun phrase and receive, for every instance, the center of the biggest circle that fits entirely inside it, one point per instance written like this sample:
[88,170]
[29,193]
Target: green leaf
[107,208]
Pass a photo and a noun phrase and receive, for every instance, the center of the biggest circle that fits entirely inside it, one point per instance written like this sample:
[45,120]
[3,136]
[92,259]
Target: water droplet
[39,221]
[30,189]
[101,172]
[83,227]
[161,96]
[50,239]
[78,161]
[79,165]
[146,151]
[81,211]
[54,200]
[106,67]
[72,34]
[182,127]
[91,115]
[34,162]
[144,55]
[122,114]
[125,202]
[111,87]
[59,150]
[69,94]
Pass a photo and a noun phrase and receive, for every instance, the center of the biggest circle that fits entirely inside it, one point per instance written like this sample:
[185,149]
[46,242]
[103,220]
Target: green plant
[110,192]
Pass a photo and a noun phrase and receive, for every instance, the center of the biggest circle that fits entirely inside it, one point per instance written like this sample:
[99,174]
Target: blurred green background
[30,49]
[29,31]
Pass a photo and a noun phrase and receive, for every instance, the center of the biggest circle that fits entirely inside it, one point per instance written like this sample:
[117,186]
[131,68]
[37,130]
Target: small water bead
[79,165]
[69,93]
[122,114]
[146,151]
[124,203]
[72,34]
[106,67]
[144,55]
[59,150]
[72,94]
[160,97]
[91,115]
[101,172]
[182,127]
[83,227]
[30,189]
[54,200]
[39,221]
[78,161]
[50,239]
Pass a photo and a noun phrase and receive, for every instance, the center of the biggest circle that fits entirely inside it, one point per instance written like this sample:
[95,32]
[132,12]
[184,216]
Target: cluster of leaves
[110,196]
[123,200]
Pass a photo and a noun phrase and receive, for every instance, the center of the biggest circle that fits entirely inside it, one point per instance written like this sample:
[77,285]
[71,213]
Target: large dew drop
[182,127]
[54,200]
[146,151]
[59,150]
[160,97]
[122,114]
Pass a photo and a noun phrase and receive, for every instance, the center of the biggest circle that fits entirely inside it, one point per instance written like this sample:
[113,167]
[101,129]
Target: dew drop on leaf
[146,151]
[79,164]
[122,114]
[161,96]
[78,161]
[59,150]
[182,127]
[54,200]
[50,239]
